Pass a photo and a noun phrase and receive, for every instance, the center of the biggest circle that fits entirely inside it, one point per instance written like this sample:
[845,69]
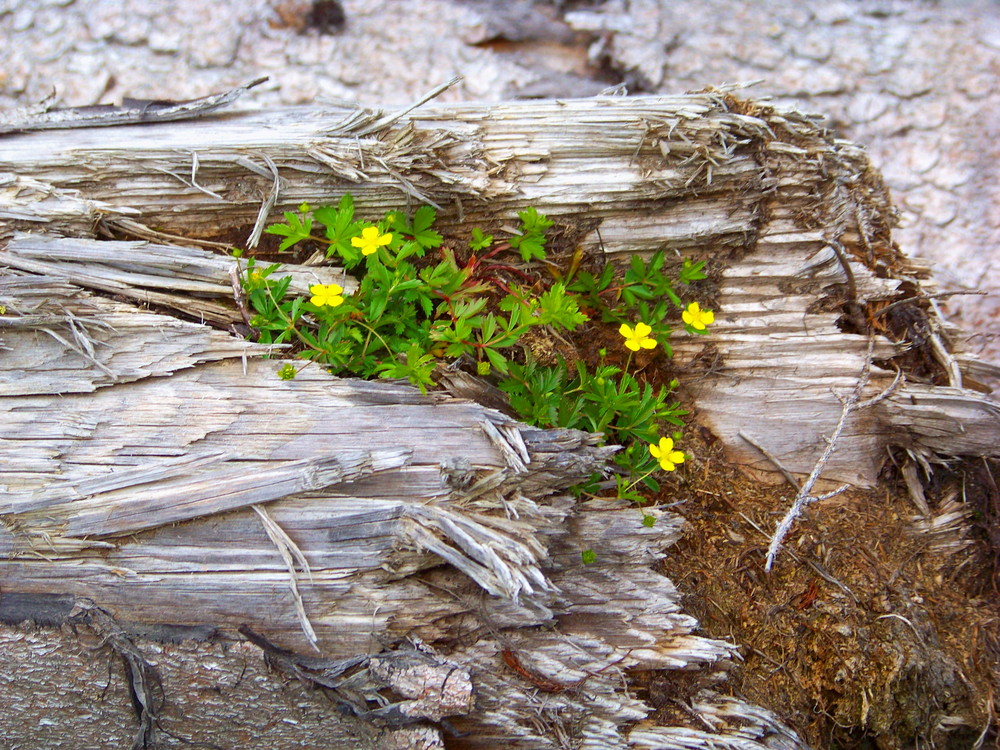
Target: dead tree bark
[423,545]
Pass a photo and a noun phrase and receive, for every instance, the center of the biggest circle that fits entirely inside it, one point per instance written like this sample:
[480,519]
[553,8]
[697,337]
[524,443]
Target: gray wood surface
[161,482]
[796,226]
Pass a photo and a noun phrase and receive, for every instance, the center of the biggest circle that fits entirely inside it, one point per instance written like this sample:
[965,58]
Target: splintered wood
[157,472]
[795,226]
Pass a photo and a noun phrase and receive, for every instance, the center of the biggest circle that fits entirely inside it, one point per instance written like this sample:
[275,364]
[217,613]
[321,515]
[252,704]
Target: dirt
[867,632]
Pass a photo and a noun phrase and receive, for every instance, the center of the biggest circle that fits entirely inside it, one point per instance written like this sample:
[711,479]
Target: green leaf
[534,222]
[496,359]
[294,230]
[557,309]
[423,219]
[530,246]
[479,240]
[341,228]
[419,231]
[416,365]
[588,556]
[692,271]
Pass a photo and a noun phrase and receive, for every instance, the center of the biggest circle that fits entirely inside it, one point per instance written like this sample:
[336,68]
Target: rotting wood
[57,339]
[795,223]
[96,479]
[193,281]
[765,194]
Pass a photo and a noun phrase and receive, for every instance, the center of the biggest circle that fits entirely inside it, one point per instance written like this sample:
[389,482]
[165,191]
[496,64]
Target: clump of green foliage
[410,312]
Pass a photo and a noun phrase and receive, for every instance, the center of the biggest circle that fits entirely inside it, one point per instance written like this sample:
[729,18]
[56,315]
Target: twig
[920,297]
[267,205]
[130,112]
[888,391]
[142,678]
[239,296]
[804,498]
[852,308]
[291,554]
[767,454]
[387,120]
[912,626]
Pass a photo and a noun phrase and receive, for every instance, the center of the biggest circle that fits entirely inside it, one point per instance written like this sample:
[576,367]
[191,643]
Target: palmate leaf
[294,230]
[336,220]
[479,240]
[555,308]
[534,222]
[419,231]
[341,228]
[530,246]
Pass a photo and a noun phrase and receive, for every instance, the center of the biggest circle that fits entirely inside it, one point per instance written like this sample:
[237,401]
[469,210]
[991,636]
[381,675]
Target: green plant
[606,400]
[645,292]
[409,312]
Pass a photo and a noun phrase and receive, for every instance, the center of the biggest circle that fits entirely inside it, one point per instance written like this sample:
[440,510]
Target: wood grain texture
[767,196]
[145,454]
[190,280]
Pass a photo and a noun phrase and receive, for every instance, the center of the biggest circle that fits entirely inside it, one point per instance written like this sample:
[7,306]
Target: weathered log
[349,517]
[796,224]
[137,510]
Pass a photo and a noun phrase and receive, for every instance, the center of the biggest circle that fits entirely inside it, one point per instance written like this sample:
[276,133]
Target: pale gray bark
[174,487]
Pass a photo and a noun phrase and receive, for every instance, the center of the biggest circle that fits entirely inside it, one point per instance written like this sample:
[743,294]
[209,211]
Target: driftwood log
[168,499]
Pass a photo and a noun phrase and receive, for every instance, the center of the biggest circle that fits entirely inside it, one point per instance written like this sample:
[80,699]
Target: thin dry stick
[291,554]
[267,205]
[239,296]
[804,498]
[773,459]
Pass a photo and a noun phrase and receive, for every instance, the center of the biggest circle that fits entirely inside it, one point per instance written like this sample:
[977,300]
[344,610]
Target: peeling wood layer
[160,480]
[795,224]
[56,338]
[192,281]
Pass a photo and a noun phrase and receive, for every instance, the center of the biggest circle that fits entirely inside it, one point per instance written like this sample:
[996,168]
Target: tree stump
[414,561]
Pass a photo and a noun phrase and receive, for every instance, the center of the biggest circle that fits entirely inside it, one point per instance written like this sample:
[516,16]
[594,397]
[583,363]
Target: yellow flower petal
[665,454]
[637,338]
[326,295]
[370,240]
[697,318]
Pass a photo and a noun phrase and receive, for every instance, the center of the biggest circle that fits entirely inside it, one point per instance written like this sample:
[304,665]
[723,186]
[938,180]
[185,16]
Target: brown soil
[867,632]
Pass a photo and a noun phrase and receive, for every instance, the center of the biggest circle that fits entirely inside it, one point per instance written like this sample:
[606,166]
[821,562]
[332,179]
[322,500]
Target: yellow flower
[697,318]
[665,454]
[370,240]
[637,338]
[326,295]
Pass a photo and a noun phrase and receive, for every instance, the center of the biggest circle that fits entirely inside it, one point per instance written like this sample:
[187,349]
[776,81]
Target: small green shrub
[410,312]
